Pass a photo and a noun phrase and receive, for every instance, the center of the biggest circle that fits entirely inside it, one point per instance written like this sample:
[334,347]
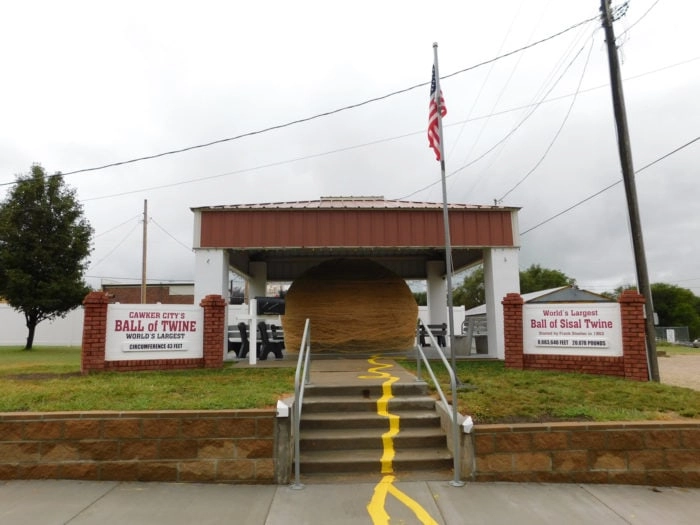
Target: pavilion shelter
[283,241]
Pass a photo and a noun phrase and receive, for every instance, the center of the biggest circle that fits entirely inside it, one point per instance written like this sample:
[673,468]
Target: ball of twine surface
[354,305]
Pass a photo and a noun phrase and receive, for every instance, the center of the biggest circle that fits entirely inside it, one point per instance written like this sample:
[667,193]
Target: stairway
[341,432]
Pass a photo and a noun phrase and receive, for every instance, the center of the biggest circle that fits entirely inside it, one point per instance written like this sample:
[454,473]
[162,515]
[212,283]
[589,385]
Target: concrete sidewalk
[107,503]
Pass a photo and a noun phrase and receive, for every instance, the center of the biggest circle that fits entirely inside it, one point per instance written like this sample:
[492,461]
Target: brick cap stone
[631,296]
[212,300]
[512,298]
[96,298]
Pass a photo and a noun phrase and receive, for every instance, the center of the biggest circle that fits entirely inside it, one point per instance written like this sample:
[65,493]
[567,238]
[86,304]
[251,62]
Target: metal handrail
[302,371]
[456,482]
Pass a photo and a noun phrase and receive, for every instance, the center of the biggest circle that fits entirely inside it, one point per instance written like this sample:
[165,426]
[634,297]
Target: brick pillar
[634,335]
[513,330]
[94,332]
[214,330]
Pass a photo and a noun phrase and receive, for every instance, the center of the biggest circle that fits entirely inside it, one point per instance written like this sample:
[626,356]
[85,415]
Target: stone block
[236,470]
[161,428]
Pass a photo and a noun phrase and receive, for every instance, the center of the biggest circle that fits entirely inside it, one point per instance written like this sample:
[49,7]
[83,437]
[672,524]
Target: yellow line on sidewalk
[377,505]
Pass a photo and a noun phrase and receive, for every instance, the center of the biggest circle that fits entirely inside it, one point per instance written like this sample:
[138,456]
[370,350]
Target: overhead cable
[188,248]
[556,135]
[317,116]
[506,137]
[579,203]
[378,141]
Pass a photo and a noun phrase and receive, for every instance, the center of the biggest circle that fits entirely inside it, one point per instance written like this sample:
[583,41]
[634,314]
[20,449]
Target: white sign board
[572,329]
[670,335]
[153,331]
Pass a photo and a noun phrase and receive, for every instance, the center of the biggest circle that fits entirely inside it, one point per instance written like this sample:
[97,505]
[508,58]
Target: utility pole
[623,143]
[143,258]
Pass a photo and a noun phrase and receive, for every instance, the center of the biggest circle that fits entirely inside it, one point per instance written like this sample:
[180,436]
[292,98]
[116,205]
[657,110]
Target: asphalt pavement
[51,502]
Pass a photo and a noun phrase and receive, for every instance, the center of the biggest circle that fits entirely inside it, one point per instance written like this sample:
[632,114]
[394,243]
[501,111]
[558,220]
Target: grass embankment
[48,379]
[676,349]
[494,394]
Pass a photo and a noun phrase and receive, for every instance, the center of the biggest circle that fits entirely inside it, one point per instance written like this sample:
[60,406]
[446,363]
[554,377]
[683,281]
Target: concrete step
[371,438]
[369,460]
[340,404]
[341,432]
[320,478]
[367,419]
[366,390]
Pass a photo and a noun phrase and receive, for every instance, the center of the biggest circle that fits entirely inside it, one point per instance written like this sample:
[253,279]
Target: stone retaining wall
[632,453]
[253,446]
[227,446]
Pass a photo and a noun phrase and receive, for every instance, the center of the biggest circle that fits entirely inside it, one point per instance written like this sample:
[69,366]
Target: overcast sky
[90,83]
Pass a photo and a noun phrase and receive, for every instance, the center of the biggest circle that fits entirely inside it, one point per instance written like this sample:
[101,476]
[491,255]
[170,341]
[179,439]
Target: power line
[116,227]
[483,85]
[115,247]
[556,135]
[539,95]
[188,248]
[609,186]
[639,19]
[506,137]
[500,94]
[317,116]
[378,141]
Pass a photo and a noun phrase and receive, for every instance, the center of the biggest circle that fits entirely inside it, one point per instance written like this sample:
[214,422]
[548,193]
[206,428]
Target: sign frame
[580,329]
[141,332]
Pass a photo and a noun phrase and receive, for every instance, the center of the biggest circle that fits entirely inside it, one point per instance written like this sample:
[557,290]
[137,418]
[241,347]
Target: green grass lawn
[49,379]
[676,349]
[493,393]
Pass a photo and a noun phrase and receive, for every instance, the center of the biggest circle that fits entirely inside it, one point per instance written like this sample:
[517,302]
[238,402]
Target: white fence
[458,313]
[66,331]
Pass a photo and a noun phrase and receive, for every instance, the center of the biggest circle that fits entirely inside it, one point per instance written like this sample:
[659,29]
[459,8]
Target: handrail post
[456,444]
[418,361]
[456,441]
[300,381]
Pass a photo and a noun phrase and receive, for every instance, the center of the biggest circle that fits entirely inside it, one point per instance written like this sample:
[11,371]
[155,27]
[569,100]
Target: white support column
[501,276]
[210,273]
[257,286]
[436,292]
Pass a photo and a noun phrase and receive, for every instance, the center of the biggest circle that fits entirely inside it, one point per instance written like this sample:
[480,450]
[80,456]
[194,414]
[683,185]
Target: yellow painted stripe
[377,505]
[383,410]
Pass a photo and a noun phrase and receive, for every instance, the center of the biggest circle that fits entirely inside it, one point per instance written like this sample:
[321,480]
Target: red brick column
[634,335]
[94,332]
[214,330]
[513,330]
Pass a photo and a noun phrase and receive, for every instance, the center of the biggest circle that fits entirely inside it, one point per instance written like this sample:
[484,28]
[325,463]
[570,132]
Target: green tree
[421,298]
[615,294]
[472,293]
[536,278]
[676,306]
[44,245]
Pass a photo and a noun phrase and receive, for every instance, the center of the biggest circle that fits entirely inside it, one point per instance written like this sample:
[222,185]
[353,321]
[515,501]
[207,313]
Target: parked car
[696,343]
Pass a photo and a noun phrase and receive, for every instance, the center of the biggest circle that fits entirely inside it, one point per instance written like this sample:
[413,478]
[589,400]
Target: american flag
[433,129]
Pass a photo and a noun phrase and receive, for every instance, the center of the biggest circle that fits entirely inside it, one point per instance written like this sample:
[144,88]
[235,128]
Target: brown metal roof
[350,202]
[403,235]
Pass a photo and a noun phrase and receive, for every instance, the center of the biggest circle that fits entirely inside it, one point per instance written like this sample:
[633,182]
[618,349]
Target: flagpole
[456,427]
[445,214]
